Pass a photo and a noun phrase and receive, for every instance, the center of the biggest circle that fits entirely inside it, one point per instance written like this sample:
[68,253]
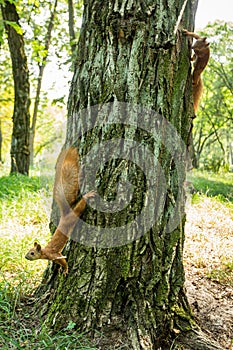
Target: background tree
[21,115]
[0,142]
[132,294]
[73,33]
[47,43]
[213,125]
[42,56]
[6,100]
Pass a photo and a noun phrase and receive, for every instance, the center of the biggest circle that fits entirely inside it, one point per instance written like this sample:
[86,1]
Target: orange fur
[200,58]
[66,187]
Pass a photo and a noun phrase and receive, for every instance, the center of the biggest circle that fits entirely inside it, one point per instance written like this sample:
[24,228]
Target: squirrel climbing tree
[66,188]
[201,57]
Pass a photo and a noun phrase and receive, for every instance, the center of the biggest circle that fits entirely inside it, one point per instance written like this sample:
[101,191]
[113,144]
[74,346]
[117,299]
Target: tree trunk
[125,284]
[71,25]
[39,82]
[0,142]
[21,116]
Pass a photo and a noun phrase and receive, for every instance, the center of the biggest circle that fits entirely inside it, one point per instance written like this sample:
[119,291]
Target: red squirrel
[201,57]
[66,187]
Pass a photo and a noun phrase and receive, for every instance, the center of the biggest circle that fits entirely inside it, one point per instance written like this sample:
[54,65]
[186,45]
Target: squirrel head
[34,253]
[200,45]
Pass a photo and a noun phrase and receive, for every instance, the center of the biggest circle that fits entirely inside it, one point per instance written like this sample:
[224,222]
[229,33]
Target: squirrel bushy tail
[66,183]
[66,188]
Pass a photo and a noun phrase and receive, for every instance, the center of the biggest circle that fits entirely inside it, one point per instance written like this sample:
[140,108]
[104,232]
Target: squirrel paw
[63,271]
[90,194]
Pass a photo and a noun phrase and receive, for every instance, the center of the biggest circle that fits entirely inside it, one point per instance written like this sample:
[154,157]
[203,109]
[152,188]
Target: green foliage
[1,31]
[16,27]
[6,99]
[34,20]
[213,126]
[50,133]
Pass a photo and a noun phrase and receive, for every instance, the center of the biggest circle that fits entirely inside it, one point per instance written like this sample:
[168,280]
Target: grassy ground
[209,238]
[208,254]
[218,186]
[209,227]
[25,208]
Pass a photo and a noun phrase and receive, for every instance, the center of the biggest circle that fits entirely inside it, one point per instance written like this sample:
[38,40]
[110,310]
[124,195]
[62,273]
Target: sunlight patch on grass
[24,218]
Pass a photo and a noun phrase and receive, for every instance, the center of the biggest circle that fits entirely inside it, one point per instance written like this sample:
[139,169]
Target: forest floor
[24,216]
[209,268]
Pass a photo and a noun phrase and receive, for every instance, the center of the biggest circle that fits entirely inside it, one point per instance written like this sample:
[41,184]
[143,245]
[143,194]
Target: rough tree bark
[21,115]
[134,52]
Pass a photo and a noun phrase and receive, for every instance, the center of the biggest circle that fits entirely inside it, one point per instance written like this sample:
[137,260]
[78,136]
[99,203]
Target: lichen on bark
[128,52]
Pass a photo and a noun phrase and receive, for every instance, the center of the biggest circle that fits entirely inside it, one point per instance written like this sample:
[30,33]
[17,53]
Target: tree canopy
[51,34]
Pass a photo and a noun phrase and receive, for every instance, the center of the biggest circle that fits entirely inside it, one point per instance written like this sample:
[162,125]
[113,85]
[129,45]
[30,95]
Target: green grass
[224,274]
[219,186]
[25,204]
[18,332]
[24,217]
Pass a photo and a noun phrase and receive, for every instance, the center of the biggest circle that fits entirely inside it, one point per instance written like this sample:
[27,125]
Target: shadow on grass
[214,187]
[13,185]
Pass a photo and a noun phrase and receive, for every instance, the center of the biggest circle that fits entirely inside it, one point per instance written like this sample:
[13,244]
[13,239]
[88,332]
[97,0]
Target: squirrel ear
[204,39]
[37,246]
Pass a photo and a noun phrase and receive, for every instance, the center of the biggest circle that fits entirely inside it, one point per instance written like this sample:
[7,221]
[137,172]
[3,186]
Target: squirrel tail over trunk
[197,93]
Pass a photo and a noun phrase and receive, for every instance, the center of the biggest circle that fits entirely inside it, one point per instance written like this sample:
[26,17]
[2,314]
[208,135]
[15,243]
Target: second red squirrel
[201,57]
[66,187]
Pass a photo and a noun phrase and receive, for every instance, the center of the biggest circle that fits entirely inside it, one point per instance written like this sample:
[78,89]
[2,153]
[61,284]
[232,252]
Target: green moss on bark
[129,53]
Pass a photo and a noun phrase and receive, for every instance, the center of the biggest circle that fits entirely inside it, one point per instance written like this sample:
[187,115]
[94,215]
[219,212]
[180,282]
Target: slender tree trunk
[126,273]
[21,116]
[0,142]
[231,156]
[71,25]
[39,82]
